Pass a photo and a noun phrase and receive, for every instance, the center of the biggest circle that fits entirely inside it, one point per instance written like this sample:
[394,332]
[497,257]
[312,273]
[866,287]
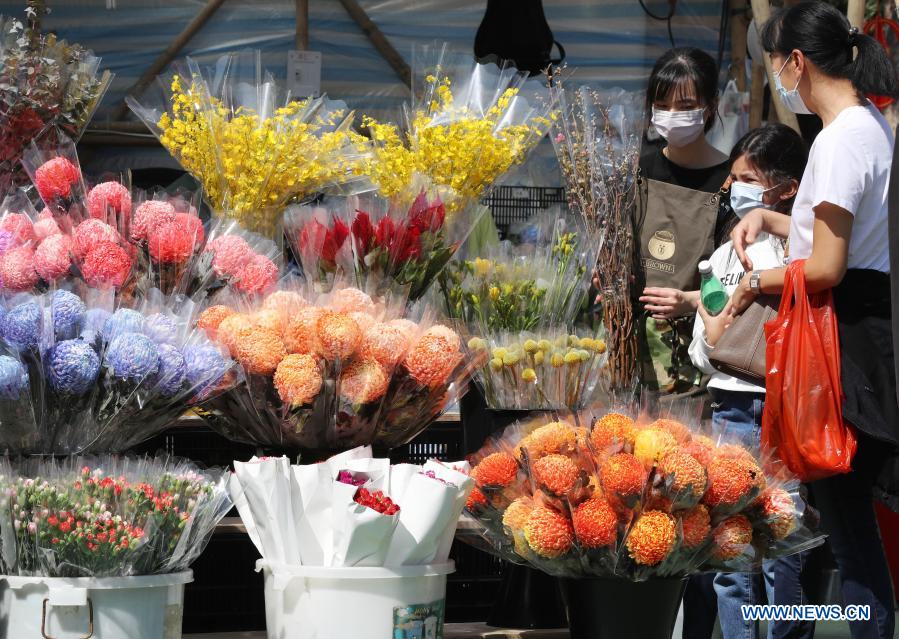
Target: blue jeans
[846,504]
[740,416]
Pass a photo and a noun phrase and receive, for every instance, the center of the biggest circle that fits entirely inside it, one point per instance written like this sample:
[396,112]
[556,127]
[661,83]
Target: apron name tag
[655,265]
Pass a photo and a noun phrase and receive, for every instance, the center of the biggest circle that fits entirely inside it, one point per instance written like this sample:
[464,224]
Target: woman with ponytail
[839,227]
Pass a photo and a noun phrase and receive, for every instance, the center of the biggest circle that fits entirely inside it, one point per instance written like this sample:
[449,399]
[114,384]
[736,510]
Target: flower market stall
[317,294]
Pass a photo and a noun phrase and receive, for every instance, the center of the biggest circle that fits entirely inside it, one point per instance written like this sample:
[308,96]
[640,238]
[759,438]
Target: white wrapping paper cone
[266,484]
[361,535]
[425,513]
[243,509]
[376,471]
[456,474]
[400,475]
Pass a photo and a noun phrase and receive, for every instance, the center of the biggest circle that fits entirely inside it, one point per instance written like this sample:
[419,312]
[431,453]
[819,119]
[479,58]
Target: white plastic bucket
[312,602]
[149,607]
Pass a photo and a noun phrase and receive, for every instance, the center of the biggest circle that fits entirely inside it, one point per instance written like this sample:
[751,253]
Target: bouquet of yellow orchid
[469,124]
[252,146]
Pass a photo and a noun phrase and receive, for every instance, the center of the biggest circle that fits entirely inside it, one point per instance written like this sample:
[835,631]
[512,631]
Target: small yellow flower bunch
[251,164]
[540,371]
[462,146]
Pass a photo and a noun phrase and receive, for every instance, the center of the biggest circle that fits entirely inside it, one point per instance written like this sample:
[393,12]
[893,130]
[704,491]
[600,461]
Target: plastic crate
[511,204]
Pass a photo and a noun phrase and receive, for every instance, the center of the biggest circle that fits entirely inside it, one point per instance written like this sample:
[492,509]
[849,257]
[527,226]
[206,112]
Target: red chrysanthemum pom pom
[55,178]
[53,257]
[170,243]
[258,275]
[148,216]
[194,227]
[697,526]
[90,234]
[17,269]
[779,512]
[19,226]
[624,476]
[230,254]
[108,201]
[730,482]
[107,264]
[476,500]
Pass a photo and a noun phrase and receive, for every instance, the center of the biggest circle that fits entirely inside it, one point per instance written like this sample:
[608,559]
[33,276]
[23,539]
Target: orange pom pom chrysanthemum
[300,334]
[652,538]
[558,474]
[496,470]
[673,427]
[364,381]
[548,532]
[434,357]
[550,439]
[350,300]
[624,476]
[701,448]
[651,445]
[595,523]
[269,318]
[730,482]
[298,379]
[613,428]
[259,350]
[779,512]
[287,303]
[230,328]
[732,538]
[476,500]
[517,514]
[687,476]
[697,525]
[386,344]
[212,317]
[338,336]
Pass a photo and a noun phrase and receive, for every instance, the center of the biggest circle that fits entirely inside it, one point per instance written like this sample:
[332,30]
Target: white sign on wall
[304,73]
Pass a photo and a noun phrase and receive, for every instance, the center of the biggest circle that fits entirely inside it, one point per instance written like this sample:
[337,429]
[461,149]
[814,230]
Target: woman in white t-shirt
[839,226]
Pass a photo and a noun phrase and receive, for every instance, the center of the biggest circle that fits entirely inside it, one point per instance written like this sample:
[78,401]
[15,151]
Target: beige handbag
[741,350]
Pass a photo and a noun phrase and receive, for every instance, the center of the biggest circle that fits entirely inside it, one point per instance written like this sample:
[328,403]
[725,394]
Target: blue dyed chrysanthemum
[13,377]
[132,356]
[171,373]
[21,326]
[72,367]
[205,366]
[92,323]
[67,310]
[161,328]
[122,321]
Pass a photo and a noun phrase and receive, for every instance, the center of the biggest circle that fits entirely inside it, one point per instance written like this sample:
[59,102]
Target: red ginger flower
[496,470]
[548,532]
[557,473]
[652,538]
[732,537]
[427,217]
[363,234]
[595,523]
[55,178]
[318,240]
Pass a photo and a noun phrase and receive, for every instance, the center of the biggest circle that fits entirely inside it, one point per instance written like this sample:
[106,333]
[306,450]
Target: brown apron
[676,227]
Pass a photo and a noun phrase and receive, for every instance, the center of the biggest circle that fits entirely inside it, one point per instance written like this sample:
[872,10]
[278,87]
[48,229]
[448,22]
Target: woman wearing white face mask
[839,227]
[766,166]
[679,220]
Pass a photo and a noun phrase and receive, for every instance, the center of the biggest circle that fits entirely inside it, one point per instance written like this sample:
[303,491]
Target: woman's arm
[825,267]
[756,221]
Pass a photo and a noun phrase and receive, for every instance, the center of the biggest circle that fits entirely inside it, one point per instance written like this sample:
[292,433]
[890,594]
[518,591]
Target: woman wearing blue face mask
[766,166]
[679,219]
[839,227]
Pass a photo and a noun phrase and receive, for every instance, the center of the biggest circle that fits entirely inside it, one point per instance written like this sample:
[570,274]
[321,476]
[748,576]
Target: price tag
[304,73]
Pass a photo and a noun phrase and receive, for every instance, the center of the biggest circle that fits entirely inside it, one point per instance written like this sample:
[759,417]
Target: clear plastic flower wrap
[389,240]
[620,493]
[45,84]
[469,124]
[597,138]
[522,288]
[251,146]
[106,516]
[332,370]
[551,368]
[101,378]
[350,510]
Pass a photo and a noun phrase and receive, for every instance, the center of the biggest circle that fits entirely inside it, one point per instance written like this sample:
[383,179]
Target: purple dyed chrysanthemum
[72,367]
[13,377]
[21,326]
[171,373]
[6,241]
[92,323]
[132,356]
[205,366]
[122,321]
[67,310]
[161,328]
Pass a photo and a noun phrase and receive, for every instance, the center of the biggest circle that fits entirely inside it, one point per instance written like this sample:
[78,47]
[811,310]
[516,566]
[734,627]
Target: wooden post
[169,54]
[761,11]
[739,23]
[855,11]
[756,95]
[379,40]
[301,43]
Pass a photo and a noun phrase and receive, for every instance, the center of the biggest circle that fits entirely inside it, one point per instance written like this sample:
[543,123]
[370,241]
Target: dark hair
[680,65]
[776,151]
[825,37]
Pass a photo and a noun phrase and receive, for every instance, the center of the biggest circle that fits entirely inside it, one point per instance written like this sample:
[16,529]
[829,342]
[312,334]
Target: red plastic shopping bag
[803,420]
